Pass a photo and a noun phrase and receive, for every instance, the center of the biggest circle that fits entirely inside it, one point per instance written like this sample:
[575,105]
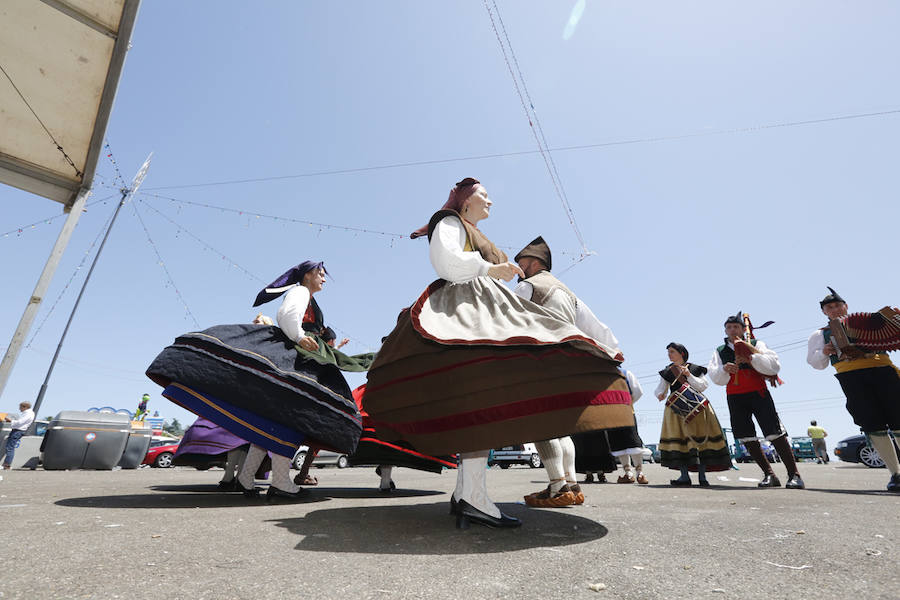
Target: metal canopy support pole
[15,346]
[126,193]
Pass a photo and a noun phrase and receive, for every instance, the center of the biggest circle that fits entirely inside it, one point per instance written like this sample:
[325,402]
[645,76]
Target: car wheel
[299,460]
[342,462]
[504,465]
[535,462]
[869,456]
[164,460]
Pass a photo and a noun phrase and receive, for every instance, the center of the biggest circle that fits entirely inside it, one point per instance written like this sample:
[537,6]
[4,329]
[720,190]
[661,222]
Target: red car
[160,454]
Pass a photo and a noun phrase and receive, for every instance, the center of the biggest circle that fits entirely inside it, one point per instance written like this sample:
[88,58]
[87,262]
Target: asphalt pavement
[169,534]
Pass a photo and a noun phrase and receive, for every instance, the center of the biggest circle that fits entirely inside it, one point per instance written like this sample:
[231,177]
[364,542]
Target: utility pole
[126,194]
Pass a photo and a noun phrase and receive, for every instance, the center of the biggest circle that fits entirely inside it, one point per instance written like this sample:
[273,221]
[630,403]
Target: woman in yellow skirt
[691,437]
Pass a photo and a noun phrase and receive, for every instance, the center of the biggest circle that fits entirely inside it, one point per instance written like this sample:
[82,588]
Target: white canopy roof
[65,58]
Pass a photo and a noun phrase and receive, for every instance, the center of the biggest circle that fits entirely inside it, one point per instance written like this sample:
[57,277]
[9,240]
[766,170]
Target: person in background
[818,435]
[19,426]
[141,413]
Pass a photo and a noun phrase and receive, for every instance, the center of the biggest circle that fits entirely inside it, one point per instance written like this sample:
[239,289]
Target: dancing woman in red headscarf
[471,366]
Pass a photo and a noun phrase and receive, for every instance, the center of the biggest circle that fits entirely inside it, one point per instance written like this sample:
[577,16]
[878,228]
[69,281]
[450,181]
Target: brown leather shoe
[626,478]
[579,495]
[547,499]
[641,478]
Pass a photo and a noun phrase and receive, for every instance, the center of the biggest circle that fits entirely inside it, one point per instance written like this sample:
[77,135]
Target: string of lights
[162,264]
[322,226]
[20,230]
[206,245]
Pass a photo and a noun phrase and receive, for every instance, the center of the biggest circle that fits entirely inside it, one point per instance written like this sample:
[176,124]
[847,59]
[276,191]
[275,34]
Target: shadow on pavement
[429,529]
[208,496]
[176,500]
[872,492]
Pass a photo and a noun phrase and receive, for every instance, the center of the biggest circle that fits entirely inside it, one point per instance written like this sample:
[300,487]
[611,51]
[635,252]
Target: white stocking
[471,482]
[552,456]
[232,463]
[568,450]
[638,461]
[882,442]
[281,474]
[385,477]
[248,470]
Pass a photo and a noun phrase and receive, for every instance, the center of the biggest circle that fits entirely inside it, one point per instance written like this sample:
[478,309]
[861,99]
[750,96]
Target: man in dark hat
[869,380]
[748,397]
[539,286]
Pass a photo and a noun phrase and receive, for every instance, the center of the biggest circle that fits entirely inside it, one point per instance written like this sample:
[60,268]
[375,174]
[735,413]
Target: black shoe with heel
[273,494]
[252,492]
[466,514]
[769,481]
[795,483]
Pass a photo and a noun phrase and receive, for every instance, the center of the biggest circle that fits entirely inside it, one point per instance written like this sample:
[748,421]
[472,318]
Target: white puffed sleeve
[765,360]
[524,289]
[716,370]
[635,385]
[290,315]
[815,351]
[591,325]
[698,383]
[448,258]
[662,389]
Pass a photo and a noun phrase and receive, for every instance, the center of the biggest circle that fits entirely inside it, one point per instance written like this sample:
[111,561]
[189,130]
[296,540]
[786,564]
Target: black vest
[726,354]
[696,371]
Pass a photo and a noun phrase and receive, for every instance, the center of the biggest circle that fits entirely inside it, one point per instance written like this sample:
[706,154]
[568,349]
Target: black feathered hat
[832,297]
[736,318]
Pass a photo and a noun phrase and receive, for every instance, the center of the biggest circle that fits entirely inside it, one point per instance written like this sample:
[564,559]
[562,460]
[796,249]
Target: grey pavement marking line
[12,505]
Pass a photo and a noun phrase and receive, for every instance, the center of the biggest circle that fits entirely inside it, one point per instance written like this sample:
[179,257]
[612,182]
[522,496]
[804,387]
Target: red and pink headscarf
[458,195]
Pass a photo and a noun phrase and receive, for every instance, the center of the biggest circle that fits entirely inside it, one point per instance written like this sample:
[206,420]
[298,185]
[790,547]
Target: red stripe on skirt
[372,440]
[475,361]
[506,412]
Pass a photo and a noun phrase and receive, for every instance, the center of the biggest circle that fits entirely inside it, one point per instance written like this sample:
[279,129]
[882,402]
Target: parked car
[323,459]
[856,449]
[739,453]
[517,454]
[654,452]
[802,447]
[161,453]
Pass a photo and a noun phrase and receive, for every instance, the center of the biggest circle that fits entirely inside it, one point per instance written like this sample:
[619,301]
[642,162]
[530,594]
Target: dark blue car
[856,449]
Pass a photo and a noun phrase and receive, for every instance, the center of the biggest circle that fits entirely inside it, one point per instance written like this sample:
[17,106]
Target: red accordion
[867,332]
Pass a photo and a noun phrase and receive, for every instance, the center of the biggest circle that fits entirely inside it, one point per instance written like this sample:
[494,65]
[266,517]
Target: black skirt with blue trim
[251,380]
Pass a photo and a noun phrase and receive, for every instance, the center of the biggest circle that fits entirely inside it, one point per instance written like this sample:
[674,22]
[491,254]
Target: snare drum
[687,402]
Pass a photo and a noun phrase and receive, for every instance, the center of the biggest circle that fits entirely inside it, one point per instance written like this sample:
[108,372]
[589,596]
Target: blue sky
[709,211]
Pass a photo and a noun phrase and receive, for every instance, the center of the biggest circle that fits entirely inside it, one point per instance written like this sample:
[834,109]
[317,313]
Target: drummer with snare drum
[744,364]
[691,437]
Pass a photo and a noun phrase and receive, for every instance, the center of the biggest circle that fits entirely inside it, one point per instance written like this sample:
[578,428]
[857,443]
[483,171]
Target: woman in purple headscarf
[276,387]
